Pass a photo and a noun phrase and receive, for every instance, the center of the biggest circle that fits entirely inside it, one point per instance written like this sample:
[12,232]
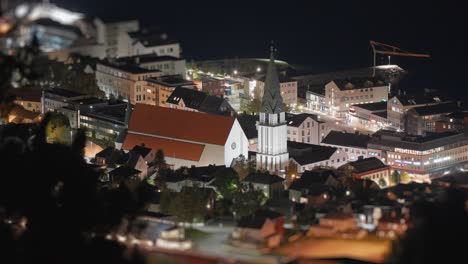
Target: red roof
[171,148]
[180,124]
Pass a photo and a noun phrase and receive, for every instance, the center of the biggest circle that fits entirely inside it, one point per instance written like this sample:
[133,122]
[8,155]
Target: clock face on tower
[233,145]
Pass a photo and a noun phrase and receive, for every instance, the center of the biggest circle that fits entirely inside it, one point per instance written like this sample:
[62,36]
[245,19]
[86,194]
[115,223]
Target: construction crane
[389,50]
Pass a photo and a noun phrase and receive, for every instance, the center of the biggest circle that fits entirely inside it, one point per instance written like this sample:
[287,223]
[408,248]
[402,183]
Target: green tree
[188,205]
[58,129]
[395,177]
[247,200]
[306,216]
[159,161]
[291,172]
[227,183]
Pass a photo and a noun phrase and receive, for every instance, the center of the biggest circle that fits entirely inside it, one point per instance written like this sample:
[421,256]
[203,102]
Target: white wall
[238,137]
[163,50]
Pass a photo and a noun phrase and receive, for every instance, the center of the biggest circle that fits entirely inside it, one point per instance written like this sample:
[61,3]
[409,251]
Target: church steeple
[272,102]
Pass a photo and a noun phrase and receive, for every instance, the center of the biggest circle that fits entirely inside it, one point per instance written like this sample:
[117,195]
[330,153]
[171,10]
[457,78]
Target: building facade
[305,128]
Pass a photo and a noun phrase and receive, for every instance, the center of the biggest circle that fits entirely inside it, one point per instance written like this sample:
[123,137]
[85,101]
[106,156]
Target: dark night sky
[327,35]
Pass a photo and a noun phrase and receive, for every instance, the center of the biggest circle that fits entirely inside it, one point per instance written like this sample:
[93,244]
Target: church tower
[272,150]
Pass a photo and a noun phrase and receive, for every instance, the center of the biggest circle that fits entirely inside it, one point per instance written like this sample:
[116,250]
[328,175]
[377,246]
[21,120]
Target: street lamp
[235,72]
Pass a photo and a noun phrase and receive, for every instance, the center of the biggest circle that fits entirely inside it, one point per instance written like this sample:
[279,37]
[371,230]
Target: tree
[58,129]
[291,172]
[247,200]
[188,205]
[404,177]
[382,182]
[227,183]
[159,161]
[396,177]
[306,216]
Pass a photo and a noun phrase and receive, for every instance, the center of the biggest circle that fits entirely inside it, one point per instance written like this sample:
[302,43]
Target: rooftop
[369,164]
[305,154]
[32,95]
[373,107]
[147,58]
[63,92]
[444,108]
[127,67]
[346,139]
[297,120]
[249,125]
[263,178]
[181,125]
[170,80]
[151,38]
[358,83]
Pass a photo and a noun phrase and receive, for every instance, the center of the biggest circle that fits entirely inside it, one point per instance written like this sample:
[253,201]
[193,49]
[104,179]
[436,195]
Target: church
[186,138]
[272,149]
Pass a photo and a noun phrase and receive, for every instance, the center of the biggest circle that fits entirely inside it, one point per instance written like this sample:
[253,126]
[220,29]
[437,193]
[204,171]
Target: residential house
[308,156]
[422,119]
[270,185]
[305,128]
[29,99]
[371,168]
[314,187]
[354,145]
[149,41]
[194,100]
[168,65]
[156,91]
[124,174]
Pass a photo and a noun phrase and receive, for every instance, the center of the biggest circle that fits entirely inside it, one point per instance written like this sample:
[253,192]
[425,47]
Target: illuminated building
[422,157]
[288,88]
[420,120]
[272,150]
[342,93]
[305,128]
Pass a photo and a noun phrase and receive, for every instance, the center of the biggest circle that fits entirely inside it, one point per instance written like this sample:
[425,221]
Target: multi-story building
[105,122]
[168,65]
[149,42]
[288,88]
[56,98]
[75,107]
[156,91]
[212,85]
[114,33]
[422,157]
[194,100]
[29,99]
[305,128]
[120,79]
[398,106]
[371,168]
[422,119]
[316,101]
[341,94]
[371,115]
[355,145]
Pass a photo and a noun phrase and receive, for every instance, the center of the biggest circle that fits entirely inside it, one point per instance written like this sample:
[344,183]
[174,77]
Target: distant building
[149,42]
[398,106]
[156,90]
[313,186]
[120,79]
[340,94]
[105,122]
[56,98]
[288,88]
[270,185]
[29,99]
[371,115]
[305,128]
[212,85]
[354,145]
[187,138]
[422,119]
[308,156]
[422,157]
[194,100]
[168,65]
[371,168]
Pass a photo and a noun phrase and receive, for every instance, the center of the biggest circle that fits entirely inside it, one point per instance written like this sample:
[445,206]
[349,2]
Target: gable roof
[123,172]
[418,99]
[263,178]
[249,125]
[358,83]
[141,150]
[444,108]
[369,164]
[171,148]
[346,139]
[179,124]
[307,153]
[296,120]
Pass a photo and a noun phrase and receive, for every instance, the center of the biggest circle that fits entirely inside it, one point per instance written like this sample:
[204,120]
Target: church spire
[272,102]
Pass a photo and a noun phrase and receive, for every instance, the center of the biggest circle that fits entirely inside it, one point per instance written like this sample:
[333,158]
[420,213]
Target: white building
[305,128]
[148,42]
[308,156]
[288,88]
[272,150]
[187,138]
[168,65]
[354,145]
[341,94]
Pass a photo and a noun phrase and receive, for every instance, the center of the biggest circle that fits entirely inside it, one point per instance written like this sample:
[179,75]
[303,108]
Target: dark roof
[205,173]
[381,114]
[105,152]
[141,150]
[199,101]
[445,108]
[124,172]
[457,178]
[89,101]
[175,177]
[369,164]
[358,83]
[272,101]
[147,58]
[63,92]
[127,67]
[33,95]
[346,139]
[191,98]
[296,120]
[373,106]
[249,125]
[263,178]
[170,80]
[54,24]
[419,99]
[314,177]
[307,153]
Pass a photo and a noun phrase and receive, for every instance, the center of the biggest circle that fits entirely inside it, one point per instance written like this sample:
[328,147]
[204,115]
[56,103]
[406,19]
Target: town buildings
[308,156]
[421,120]
[194,100]
[371,168]
[156,90]
[421,157]
[305,128]
[354,145]
[168,65]
[288,88]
